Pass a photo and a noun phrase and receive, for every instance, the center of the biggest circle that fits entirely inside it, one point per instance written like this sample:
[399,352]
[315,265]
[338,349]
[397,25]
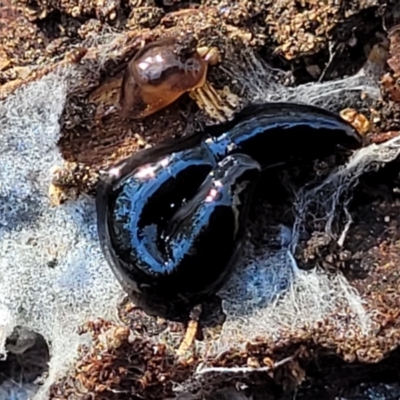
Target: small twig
[191,331]
[244,370]
[343,235]
[332,54]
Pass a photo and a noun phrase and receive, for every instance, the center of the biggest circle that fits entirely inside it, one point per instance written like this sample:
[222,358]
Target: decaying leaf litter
[312,42]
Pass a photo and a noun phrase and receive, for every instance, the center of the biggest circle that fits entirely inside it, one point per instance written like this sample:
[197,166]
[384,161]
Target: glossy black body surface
[171,219]
[277,133]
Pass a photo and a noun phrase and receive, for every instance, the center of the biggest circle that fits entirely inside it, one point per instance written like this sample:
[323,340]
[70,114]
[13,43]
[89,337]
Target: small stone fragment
[394,49]
[357,120]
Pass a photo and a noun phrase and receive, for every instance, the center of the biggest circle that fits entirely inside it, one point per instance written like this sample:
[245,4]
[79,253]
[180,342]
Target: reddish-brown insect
[157,76]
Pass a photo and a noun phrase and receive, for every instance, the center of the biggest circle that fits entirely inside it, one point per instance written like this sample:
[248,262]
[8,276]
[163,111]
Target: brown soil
[311,40]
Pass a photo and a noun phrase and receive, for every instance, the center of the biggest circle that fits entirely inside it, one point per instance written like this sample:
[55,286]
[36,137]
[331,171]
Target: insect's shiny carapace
[157,76]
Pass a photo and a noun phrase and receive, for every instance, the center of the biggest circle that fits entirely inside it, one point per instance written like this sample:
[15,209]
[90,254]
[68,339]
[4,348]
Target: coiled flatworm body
[172,218]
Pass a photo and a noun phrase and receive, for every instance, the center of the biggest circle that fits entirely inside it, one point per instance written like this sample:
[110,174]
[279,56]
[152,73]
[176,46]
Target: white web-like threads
[269,294]
[52,273]
[53,276]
